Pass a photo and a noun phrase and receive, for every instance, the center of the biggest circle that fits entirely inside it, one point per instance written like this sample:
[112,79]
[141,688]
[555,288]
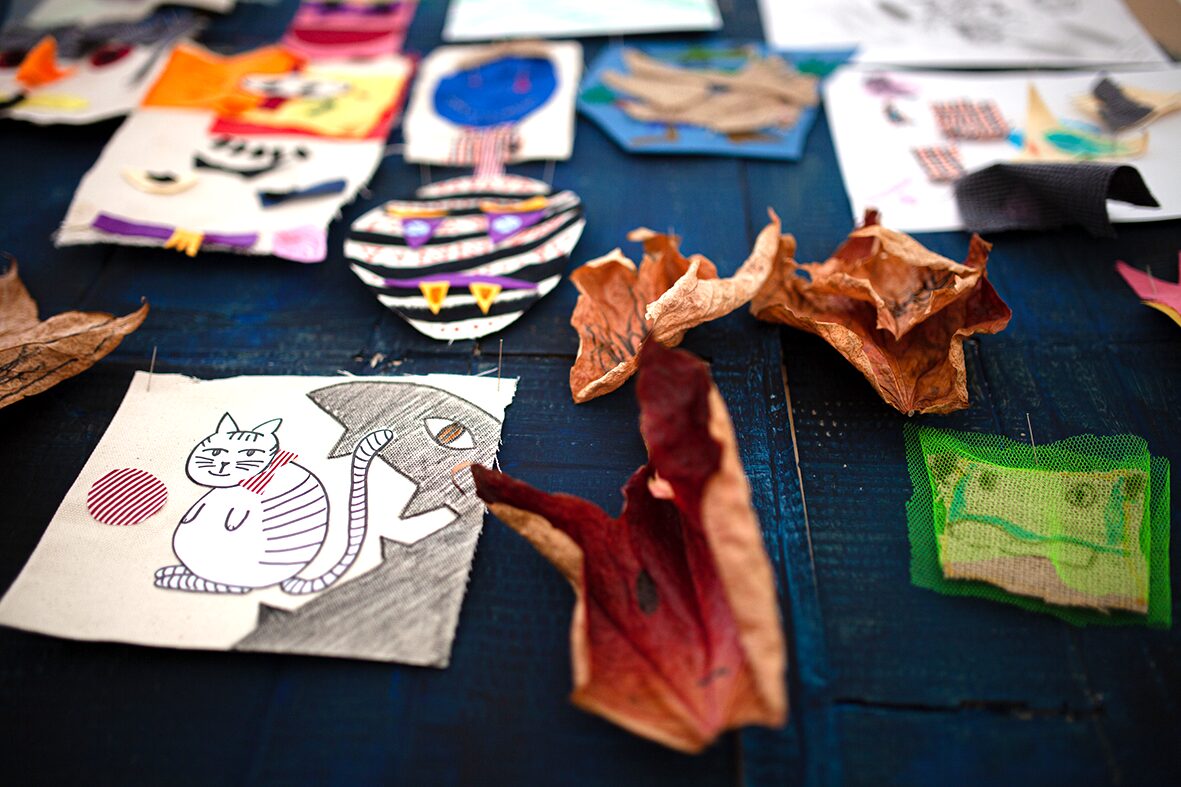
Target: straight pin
[1032,444]
[152,367]
[549,172]
[499,359]
[1151,278]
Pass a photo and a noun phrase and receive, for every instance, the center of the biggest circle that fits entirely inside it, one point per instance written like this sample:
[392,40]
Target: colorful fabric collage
[253,153]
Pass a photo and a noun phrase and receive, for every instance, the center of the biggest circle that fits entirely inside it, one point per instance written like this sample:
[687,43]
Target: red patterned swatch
[126,497]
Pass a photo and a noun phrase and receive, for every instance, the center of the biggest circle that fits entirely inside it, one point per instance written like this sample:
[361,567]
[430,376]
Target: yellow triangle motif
[434,292]
[485,294]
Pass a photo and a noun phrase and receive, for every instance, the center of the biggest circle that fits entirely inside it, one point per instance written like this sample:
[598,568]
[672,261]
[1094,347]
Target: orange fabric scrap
[896,310]
[38,354]
[620,307]
[40,65]
[198,79]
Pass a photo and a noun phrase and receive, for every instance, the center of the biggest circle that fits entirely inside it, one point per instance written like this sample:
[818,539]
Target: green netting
[1078,529]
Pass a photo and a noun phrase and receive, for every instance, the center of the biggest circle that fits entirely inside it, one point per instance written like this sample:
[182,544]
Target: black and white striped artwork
[469,255]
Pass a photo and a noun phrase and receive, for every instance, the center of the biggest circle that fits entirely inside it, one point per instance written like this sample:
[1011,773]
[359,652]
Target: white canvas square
[397,601]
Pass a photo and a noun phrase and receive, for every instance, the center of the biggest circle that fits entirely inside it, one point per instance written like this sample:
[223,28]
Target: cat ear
[226,424]
[270,427]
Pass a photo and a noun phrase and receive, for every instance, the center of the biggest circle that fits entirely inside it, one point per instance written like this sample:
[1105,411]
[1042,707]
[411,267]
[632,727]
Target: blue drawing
[496,93]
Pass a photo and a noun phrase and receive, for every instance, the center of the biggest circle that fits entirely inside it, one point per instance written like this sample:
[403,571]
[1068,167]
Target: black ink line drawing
[265,517]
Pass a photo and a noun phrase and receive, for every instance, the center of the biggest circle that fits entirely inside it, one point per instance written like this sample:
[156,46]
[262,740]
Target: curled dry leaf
[619,307]
[896,310]
[38,354]
[676,634]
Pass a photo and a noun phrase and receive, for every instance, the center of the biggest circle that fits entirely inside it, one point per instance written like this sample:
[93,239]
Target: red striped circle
[126,497]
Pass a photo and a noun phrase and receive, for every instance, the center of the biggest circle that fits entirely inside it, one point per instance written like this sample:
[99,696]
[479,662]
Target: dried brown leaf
[896,310]
[36,355]
[675,634]
[620,306]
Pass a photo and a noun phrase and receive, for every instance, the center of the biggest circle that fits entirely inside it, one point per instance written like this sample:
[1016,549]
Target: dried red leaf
[38,354]
[619,307]
[676,634]
[896,310]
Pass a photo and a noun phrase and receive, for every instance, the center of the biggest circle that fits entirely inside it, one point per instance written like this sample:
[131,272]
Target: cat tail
[363,456]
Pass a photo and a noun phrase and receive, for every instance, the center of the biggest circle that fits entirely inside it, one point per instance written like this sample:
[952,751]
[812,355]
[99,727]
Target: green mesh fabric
[1078,529]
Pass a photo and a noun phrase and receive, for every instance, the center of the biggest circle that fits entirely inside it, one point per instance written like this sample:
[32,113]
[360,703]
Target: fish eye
[449,434]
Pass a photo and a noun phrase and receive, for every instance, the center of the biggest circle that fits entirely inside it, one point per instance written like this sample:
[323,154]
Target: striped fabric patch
[942,164]
[963,118]
[487,150]
[258,483]
[503,243]
[126,497]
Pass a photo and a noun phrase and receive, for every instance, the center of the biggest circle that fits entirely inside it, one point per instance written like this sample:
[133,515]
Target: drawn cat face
[231,455]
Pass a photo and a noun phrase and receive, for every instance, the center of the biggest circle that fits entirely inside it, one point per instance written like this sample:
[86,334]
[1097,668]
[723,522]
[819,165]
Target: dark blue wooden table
[889,684]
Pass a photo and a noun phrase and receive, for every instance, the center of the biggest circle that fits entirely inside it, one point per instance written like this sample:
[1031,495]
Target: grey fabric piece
[1047,196]
[363,407]
[1117,110]
[405,610]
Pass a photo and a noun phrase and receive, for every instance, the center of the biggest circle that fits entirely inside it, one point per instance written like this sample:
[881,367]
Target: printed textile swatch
[470,255]
[1077,528]
[966,119]
[79,75]
[496,104]
[1037,196]
[1159,294]
[310,515]
[253,153]
[720,98]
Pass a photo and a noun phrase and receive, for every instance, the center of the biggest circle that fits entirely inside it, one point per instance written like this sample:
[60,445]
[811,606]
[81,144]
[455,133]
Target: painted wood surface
[889,684]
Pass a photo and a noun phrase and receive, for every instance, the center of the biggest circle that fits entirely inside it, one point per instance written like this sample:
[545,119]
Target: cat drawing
[264,518]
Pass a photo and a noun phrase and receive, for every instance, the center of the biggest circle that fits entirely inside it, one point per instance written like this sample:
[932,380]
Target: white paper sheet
[399,600]
[999,33]
[486,20]
[880,171]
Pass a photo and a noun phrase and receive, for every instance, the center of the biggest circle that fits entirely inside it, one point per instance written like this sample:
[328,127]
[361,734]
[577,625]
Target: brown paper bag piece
[897,311]
[36,355]
[620,306]
[765,93]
